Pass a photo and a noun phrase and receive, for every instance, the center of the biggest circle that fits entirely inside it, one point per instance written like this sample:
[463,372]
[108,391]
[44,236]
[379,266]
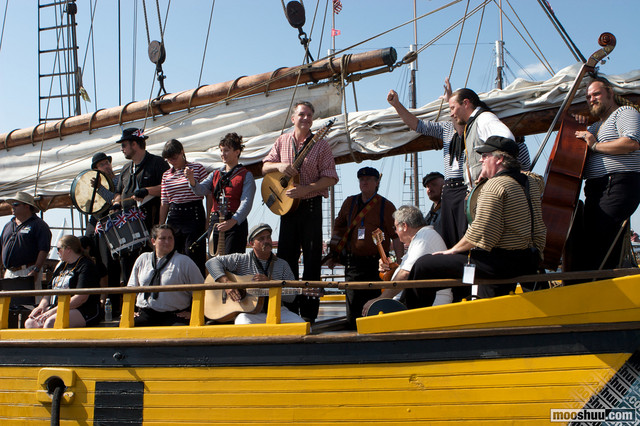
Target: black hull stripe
[329,353]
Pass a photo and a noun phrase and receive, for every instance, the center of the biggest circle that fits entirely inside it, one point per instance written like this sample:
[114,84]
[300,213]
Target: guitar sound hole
[284,181]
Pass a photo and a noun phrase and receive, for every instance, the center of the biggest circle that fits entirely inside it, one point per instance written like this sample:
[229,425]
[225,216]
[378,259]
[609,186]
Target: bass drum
[85,197]
[471,202]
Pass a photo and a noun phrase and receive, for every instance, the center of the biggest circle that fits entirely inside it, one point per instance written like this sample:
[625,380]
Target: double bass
[563,176]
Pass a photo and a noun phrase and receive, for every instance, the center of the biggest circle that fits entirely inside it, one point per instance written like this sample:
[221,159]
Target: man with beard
[262,264]
[433,183]
[140,181]
[612,173]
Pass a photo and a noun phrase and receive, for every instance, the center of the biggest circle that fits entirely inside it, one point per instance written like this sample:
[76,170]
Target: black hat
[258,229]
[368,171]
[431,176]
[98,157]
[498,143]
[133,134]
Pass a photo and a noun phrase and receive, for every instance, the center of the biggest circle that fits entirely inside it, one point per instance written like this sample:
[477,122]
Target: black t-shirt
[22,243]
[144,175]
[79,274]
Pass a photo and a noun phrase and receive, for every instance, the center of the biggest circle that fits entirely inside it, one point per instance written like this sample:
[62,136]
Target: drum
[124,231]
[471,202]
[85,197]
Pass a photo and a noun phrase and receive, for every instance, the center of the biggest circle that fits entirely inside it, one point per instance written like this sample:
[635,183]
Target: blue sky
[252,36]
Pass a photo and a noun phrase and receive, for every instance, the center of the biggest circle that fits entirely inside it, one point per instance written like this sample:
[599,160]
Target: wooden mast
[242,86]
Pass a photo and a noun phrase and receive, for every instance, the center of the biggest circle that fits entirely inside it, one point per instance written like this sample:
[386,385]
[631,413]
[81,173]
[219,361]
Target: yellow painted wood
[128,305]
[615,300]
[197,308]
[517,390]
[5,302]
[273,310]
[158,333]
[62,313]
[333,298]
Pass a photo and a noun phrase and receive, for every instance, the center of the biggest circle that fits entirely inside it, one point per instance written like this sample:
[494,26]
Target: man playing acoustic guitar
[262,264]
[302,228]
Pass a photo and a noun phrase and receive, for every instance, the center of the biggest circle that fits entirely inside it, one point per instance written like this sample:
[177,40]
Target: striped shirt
[443,130]
[243,264]
[623,122]
[503,216]
[175,185]
[317,164]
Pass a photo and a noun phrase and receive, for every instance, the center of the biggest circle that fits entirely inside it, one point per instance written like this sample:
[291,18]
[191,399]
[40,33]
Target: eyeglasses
[16,204]
[486,155]
[60,248]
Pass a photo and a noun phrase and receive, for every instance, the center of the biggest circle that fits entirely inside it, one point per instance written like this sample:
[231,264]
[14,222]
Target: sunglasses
[16,204]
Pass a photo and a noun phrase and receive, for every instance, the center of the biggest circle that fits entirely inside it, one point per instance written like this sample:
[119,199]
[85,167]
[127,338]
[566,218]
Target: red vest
[233,192]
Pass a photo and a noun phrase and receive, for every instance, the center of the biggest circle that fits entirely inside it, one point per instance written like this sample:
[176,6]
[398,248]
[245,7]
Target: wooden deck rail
[273,314]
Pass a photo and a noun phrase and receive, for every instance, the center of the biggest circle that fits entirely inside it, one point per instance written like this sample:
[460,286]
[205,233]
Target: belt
[454,183]
[21,267]
[191,205]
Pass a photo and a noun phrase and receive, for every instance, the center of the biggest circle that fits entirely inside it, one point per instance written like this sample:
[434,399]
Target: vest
[233,192]
[472,141]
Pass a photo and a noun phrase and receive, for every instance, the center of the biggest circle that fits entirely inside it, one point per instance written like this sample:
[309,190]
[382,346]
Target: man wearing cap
[302,228]
[359,216]
[262,264]
[140,181]
[26,240]
[507,235]
[433,184]
[102,163]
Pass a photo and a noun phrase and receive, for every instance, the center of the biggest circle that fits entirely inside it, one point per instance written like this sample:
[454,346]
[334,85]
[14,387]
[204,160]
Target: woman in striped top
[180,207]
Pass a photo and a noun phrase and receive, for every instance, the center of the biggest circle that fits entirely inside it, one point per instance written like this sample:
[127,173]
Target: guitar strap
[304,145]
[356,220]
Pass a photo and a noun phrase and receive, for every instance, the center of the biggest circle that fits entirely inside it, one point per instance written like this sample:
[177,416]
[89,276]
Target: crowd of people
[502,237]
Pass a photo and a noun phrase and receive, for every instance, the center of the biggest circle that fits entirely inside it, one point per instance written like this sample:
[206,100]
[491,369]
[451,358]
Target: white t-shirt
[426,241]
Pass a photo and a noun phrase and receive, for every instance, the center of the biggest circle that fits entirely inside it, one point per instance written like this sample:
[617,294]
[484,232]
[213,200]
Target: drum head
[85,197]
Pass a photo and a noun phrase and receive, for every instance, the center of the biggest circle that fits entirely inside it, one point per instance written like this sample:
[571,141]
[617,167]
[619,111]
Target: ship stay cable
[475,47]
[206,43]
[4,20]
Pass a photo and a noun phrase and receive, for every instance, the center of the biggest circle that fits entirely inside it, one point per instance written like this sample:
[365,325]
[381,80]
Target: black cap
[431,176]
[133,134]
[98,157]
[368,171]
[498,143]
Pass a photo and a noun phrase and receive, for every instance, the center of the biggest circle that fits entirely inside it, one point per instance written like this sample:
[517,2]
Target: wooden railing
[275,294]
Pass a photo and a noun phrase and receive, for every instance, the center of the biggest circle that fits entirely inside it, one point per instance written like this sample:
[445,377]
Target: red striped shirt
[175,185]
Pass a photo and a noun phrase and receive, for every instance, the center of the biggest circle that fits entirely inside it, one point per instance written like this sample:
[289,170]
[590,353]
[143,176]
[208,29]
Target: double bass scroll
[563,176]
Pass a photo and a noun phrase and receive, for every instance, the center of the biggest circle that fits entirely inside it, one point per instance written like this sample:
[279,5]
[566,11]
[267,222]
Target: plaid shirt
[318,163]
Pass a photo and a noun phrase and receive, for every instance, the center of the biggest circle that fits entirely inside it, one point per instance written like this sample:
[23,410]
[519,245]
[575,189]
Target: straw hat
[23,197]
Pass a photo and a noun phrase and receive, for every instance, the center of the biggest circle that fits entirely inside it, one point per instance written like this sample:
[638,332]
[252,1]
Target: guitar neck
[383,255]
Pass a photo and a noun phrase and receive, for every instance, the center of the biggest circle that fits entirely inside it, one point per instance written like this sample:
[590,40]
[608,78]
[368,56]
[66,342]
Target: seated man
[262,264]
[507,235]
[410,227]
[163,266]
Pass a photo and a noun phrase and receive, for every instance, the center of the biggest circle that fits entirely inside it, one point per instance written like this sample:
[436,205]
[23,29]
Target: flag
[334,32]
[108,225]
[337,6]
[99,228]
[121,219]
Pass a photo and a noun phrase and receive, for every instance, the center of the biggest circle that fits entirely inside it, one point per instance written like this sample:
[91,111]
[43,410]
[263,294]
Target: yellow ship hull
[508,373]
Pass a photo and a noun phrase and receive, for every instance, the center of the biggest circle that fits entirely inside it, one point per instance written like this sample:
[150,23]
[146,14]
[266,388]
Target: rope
[206,43]
[455,53]
[475,47]
[541,58]
[146,21]
[344,63]
[4,20]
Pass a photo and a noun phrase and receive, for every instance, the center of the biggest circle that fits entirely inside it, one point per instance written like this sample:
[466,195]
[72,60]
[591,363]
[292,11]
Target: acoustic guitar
[219,307]
[275,184]
[378,238]
[220,249]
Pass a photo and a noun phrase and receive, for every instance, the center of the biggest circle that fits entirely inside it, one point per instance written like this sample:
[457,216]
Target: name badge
[361,233]
[468,273]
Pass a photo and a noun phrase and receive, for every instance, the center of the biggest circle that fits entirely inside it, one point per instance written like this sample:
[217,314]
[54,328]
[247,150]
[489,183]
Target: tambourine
[85,197]
[471,202]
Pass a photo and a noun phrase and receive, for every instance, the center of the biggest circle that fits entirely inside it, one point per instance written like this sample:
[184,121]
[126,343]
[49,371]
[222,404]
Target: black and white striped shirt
[623,122]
